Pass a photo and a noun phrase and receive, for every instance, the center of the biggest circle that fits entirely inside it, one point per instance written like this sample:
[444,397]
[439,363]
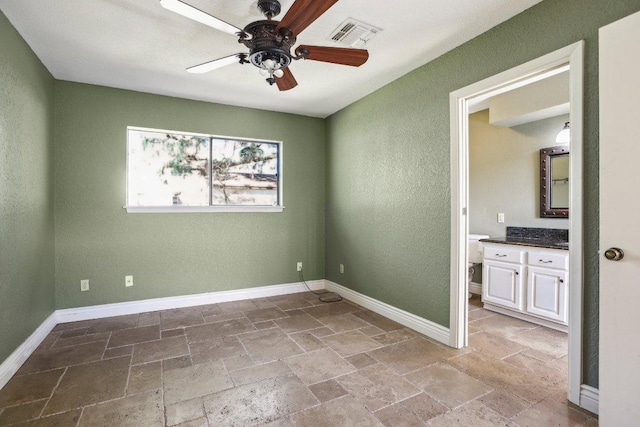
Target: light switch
[500,217]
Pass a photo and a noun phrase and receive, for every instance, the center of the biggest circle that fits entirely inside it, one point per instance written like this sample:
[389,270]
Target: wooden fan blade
[302,13]
[215,64]
[335,55]
[287,81]
[197,15]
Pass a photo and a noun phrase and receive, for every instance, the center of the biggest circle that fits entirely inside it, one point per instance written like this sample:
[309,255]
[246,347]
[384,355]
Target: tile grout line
[106,344]
[204,410]
[61,367]
[411,397]
[126,386]
[164,403]
[53,391]
[248,354]
[54,341]
[80,417]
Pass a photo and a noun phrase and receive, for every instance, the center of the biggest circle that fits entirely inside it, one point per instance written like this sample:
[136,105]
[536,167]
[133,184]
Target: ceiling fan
[270,42]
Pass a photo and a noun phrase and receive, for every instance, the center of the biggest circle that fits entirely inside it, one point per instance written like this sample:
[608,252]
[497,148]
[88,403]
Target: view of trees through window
[173,169]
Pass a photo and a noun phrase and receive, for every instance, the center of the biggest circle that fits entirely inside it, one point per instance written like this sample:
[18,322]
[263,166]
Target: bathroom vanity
[527,278]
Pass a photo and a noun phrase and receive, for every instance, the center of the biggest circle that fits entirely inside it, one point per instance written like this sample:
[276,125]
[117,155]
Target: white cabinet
[529,283]
[503,283]
[547,293]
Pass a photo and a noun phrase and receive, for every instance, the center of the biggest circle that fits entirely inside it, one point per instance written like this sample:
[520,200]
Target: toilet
[474,252]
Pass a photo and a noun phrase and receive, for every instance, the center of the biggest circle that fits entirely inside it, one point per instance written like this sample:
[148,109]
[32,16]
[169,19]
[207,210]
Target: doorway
[569,58]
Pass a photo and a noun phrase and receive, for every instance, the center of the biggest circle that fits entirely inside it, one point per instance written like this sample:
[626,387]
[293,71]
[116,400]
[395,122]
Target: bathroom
[519,221]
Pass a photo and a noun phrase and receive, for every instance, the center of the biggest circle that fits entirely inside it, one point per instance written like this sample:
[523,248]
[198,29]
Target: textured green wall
[26,191]
[175,254]
[388,174]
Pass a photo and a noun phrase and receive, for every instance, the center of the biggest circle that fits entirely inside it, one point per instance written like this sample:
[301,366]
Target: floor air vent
[354,33]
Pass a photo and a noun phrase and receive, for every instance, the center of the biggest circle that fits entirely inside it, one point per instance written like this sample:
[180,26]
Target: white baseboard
[475,288]
[588,395]
[419,324]
[134,307]
[532,319]
[10,366]
[589,398]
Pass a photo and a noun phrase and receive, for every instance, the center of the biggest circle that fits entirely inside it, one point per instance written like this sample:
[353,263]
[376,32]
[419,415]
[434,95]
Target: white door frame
[571,58]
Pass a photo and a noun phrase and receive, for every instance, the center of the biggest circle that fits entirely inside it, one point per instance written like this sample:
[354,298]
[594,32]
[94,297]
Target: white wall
[536,101]
[504,174]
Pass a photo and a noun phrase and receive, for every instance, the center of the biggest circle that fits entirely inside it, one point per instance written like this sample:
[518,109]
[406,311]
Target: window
[171,171]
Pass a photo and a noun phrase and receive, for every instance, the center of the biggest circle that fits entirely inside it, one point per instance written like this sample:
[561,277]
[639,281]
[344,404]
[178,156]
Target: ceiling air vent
[354,33]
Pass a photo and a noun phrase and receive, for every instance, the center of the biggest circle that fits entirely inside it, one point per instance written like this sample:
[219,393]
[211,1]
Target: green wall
[26,191]
[388,174]
[175,254]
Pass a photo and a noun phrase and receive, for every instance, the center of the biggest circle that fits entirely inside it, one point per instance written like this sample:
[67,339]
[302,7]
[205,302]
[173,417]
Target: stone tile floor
[290,361]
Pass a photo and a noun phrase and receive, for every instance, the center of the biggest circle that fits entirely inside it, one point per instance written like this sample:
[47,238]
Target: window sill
[199,209]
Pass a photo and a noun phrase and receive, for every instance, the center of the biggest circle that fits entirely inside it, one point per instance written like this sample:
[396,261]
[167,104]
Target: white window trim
[200,209]
[204,209]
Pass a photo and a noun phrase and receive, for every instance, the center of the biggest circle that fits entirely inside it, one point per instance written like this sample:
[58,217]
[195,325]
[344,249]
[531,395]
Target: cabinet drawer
[501,253]
[548,259]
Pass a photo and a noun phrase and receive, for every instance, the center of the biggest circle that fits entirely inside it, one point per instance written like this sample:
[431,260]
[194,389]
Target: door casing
[568,58]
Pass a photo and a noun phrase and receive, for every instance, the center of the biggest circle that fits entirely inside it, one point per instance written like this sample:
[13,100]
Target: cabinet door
[547,293]
[502,284]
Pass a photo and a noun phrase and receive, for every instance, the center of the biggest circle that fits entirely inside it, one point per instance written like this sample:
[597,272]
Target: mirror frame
[546,173]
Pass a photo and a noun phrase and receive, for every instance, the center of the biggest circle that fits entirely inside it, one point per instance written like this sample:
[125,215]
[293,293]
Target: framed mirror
[554,182]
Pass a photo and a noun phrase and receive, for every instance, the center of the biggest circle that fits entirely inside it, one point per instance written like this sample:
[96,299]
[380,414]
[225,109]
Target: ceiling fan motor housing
[265,44]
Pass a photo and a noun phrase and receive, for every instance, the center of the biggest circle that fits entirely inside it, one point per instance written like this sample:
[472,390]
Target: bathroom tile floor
[290,361]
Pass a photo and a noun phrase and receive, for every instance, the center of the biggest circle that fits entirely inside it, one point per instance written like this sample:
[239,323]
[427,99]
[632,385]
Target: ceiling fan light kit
[271,42]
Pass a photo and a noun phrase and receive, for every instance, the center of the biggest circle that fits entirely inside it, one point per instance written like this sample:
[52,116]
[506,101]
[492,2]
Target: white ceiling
[138,45]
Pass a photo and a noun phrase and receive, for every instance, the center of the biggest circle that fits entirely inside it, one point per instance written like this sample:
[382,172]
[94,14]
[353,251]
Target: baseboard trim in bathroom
[475,288]
[522,316]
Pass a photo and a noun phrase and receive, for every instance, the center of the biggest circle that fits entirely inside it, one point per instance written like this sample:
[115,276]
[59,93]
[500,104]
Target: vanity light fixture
[564,136]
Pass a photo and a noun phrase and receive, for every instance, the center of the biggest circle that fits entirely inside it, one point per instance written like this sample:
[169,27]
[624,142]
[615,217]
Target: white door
[620,222]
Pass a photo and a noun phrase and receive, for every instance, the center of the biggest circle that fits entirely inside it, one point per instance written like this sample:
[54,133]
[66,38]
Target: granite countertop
[550,238]
[524,241]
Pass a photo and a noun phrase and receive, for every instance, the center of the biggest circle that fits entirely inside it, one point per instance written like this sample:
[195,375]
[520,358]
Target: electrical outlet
[342,268]
[84,285]
[500,217]
[299,266]
[128,281]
